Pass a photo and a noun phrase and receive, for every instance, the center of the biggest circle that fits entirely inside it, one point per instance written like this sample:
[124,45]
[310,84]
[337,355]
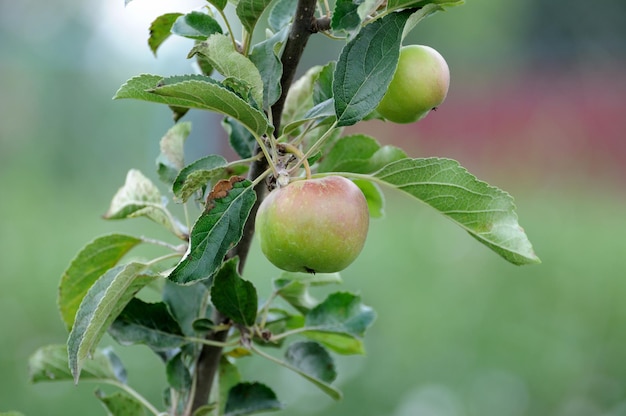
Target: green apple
[314,225]
[419,84]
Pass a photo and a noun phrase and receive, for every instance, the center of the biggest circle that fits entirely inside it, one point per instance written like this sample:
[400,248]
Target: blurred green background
[535,107]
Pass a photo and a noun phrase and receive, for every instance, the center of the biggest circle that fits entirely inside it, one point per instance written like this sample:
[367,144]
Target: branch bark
[303,26]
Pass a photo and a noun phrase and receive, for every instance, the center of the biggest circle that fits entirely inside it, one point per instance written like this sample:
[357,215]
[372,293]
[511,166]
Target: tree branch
[303,26]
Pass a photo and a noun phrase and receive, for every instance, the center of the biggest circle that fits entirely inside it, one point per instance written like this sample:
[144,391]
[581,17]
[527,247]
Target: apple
[419,84]
[314,226]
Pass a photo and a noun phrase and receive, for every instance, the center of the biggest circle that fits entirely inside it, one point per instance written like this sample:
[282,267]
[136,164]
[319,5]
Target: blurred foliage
[456,335]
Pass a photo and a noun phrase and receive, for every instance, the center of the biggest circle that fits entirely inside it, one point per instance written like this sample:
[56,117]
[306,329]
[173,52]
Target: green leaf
[202,172]
[198,92]
[219,4]
[177,373]
[137,193]
[299,98]
[185,303]
[160,30]
[281,14]
[486,212]
[249,12]
[218,229]
[206,410]
[50,363]
[219,50]
[314,363]
[196,25]
[342,313]
[228,376]
[139,197]
[296,294]
[145,323]
[171,159]
[240,139]
[340,343]
[293,287]
[101,305]
[359,153]
[120,403]
[250,398]
[374,197]
[365,68]
[197,175]
[345,16]
[266,56]
[233,296]
[420,15]
[323,112]
[89,264]
[417,4]
[323,84]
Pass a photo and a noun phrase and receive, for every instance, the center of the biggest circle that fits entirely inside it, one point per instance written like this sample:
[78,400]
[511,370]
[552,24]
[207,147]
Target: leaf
[89,264]
[198,92]
[359,153]
[486,212]
[296,294]
[196,25]
[293,287]
[219,4]
[249,398]
[342,313]
[281,14]
[120,403]
[219,50]
[206,410]
[249,12]
[139,197]
[420,15]
[365,68]
[137,193]
[215,232]
[197,175]
[185,304]
[101,305]
[323,84]
[417,4]
[177,373]
[345,16]
[228,376]
[340,343]
[313,362]
[145,323]
[171,159]
[323,112]
[266,56]
[50,363]
[240,139]
[374,197]
[299,98]
[233,296]
[160,30]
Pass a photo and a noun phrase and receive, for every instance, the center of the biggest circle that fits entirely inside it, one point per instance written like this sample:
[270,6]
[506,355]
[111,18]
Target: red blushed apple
[314,226]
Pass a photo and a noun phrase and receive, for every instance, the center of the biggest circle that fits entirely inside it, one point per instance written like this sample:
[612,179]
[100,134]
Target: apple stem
[289,148]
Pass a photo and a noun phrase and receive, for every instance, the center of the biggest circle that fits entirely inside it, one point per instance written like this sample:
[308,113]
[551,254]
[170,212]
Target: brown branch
[303,26]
